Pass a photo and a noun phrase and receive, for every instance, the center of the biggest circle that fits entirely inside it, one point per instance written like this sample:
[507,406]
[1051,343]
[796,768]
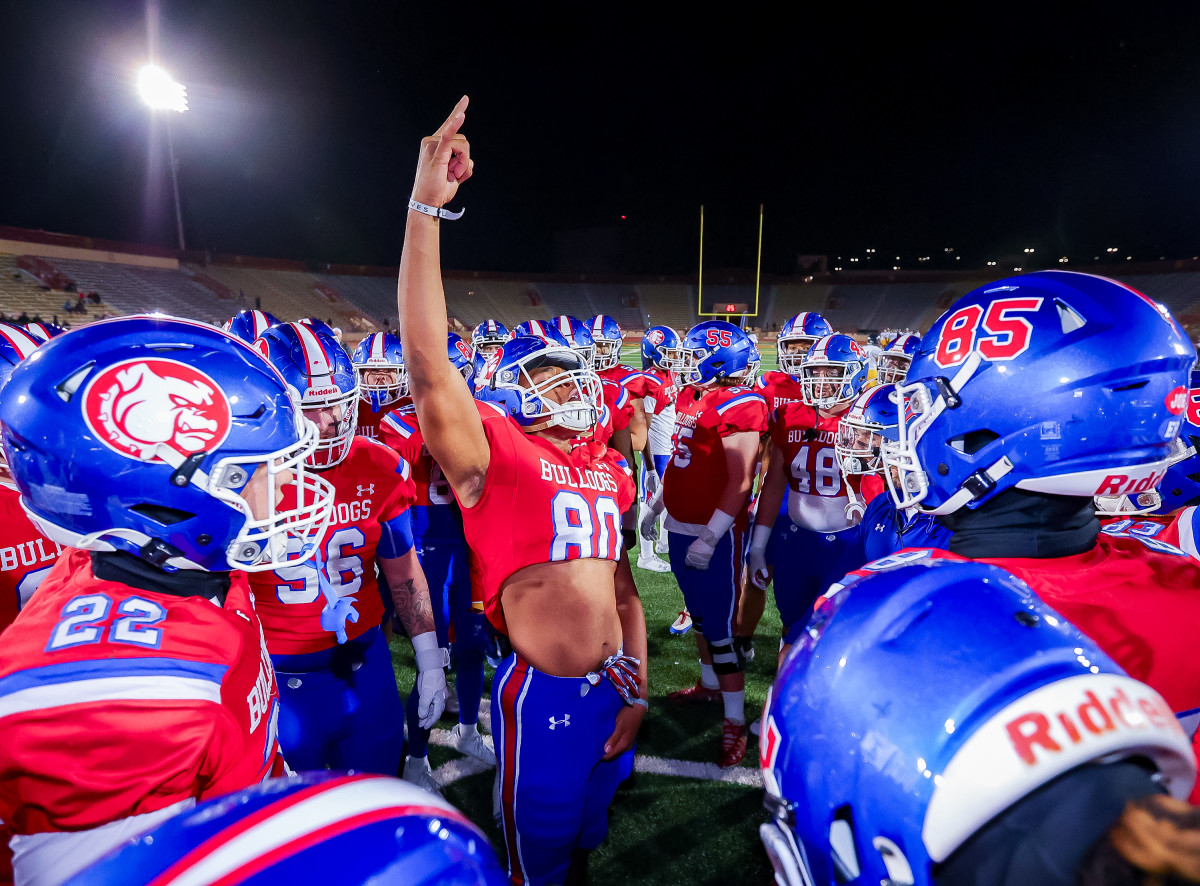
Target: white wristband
[435,211]
[428,654]
[719,523]
[759,537]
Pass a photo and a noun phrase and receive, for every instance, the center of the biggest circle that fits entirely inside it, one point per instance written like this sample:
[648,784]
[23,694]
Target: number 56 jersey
[117,701]
[696,473]
[542,505]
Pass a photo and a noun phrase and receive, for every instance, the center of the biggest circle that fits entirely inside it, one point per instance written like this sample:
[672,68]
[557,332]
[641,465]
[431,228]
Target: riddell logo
[135,406]
[321,392]
[1111,711]
[1122,484]
[1177,401]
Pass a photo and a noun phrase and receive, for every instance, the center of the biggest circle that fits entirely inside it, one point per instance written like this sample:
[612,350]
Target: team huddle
[979,542]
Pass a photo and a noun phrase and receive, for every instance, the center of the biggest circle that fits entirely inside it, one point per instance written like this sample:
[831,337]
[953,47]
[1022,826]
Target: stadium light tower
[160,92]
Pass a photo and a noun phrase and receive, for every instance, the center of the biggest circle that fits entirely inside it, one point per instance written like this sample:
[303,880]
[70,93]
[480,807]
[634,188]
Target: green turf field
[664,829]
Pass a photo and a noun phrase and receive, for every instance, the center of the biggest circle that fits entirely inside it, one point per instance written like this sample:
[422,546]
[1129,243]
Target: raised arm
[449,422]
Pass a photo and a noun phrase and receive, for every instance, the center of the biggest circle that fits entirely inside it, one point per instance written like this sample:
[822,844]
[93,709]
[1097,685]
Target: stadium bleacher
[362,299]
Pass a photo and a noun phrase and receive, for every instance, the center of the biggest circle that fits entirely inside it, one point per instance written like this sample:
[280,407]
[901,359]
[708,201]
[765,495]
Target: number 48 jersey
[816,493]
[696,473]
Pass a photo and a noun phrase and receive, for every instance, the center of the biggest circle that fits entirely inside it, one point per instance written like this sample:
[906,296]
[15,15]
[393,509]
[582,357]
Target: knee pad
[726,658]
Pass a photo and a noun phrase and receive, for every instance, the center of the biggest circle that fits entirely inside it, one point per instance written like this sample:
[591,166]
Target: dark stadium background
[986,128]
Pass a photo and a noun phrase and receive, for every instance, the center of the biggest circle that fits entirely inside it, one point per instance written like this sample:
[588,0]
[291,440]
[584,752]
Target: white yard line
[462,767]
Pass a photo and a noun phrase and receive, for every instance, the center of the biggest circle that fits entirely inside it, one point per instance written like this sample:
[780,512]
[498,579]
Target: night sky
[1066,127]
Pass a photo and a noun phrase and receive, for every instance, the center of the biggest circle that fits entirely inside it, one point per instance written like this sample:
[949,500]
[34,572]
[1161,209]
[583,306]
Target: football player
[796,337]
[608,337]
[1015,415]
[541,511]
[894,360]
[249,324]
[658,345]
[487,338]
[339,706]
[705,491]
[136,681]
[382,381]
[813,547]
[882,529]
[353,830]
[445,559]
[894,751]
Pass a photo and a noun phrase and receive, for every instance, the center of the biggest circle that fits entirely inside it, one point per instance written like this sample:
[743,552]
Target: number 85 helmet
[892,753]
[1052,382]
[138,434]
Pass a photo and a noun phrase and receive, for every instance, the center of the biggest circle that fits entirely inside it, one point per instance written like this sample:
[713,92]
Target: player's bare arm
[410,592]
[639,426]
[452,428]
[741,456]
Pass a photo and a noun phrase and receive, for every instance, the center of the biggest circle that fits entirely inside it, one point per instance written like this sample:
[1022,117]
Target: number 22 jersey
[118,701]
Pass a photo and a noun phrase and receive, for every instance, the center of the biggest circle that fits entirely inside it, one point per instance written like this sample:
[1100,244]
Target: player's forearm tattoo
[413,606]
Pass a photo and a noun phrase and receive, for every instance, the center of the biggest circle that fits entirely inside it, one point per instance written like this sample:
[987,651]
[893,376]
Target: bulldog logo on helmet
[134,406]
[655,336]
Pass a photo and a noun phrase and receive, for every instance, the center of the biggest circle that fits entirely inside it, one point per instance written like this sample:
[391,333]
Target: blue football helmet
[547,332]
[578,337]
[488,337]
[248,325]
[511,384]
[461,358]
[320,325]
[755,361]
[609,337]
[44,331]
[712,351]
[382,378]
[862,429]
[659,345]
[16,343]
[318,827]
[1053,382]
[896,357]
[138,434]
[796,337]
[834,371]
[325,381]
[888,743]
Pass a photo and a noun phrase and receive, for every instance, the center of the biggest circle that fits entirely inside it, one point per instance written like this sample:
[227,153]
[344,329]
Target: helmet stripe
[22,342]
[316,358]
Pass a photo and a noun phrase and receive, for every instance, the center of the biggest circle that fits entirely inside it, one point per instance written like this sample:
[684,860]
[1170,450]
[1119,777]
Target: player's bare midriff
[562,617]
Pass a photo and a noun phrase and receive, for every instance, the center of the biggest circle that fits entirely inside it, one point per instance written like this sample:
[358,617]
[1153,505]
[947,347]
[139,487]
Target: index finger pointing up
[450,128]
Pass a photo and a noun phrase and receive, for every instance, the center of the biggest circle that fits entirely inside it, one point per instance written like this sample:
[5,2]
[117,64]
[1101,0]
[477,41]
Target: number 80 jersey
[696,474]
[542,505]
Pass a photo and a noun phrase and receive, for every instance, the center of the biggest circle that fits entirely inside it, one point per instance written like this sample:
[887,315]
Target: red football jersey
[541,505]
[1139,599]
[619,402]
[631,379]
[371,486]
[661,390]
[779,389]
[369,419]
[116,701]
[25,556]
[604,425]
[401,432]
[696,474]
[817,493]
